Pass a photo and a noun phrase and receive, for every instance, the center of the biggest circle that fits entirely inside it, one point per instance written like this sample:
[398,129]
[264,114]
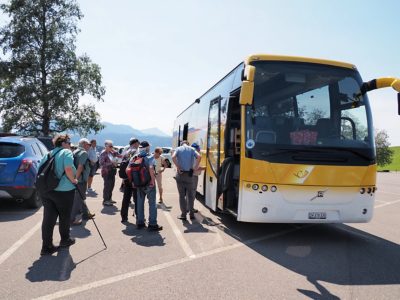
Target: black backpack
[46,178]
[122,168]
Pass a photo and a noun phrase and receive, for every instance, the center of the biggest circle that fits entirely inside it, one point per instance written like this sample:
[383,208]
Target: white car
[167,154]
[120,150]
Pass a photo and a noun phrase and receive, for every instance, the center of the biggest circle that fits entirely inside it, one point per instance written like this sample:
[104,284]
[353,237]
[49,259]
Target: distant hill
[120,134]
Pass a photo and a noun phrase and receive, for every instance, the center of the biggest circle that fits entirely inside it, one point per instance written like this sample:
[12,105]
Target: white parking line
[389,193]
[19,243]
[158,267]
[184,245]
[388,203]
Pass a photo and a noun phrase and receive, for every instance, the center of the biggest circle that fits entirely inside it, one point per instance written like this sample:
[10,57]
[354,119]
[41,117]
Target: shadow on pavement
[52,268]
[10,211]
[334,253]
[144,237]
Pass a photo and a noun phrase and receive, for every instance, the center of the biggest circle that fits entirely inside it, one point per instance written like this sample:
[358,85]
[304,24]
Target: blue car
[19,161]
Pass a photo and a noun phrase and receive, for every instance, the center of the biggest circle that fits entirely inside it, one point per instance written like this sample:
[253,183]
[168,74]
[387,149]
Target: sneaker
[112,201]
[140,226]
[90,190]
[107,203]
[124,221]
[67,243]
[76,222]
[49,250]
[182,217]
[155,227]
[161,201]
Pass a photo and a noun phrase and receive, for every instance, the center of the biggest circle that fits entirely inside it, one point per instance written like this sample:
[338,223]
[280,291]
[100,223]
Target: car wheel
[168,163]
[34,201]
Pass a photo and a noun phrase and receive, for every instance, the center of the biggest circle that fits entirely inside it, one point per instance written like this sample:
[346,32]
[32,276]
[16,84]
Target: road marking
[159,267]
[184,245]
[388,203]
[19,243]
[389,193]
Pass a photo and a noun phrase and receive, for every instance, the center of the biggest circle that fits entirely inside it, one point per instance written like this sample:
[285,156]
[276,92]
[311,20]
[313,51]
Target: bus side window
[185,132]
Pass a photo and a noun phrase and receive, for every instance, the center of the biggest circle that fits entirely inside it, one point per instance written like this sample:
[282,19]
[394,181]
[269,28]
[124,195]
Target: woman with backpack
[58,203]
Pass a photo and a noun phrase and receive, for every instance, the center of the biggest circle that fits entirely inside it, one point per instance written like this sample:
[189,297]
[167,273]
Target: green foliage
[42,78]
[384,154]
[395,164]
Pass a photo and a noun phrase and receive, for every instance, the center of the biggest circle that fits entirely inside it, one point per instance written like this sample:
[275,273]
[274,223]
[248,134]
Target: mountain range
[120,134]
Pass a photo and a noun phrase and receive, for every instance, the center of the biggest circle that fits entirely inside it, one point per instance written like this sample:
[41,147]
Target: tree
[384,155]
[43,79]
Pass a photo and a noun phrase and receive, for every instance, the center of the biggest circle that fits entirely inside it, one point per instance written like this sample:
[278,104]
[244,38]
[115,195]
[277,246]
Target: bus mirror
[381,83]
[246,93]
[249,73]
[398,104]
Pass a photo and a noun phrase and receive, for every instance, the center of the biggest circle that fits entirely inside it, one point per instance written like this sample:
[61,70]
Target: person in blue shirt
[186,159]
[58,203]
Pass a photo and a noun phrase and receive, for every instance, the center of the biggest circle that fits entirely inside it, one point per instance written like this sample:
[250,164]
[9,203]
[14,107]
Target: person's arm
[175,160]
[163,165]
[70,174]
[198,159]
[152,176]
[69,168]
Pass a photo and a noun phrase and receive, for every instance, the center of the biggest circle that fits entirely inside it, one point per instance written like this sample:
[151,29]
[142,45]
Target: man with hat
[129,191]
[149,191]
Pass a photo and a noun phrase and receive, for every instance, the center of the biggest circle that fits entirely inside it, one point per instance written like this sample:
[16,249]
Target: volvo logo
[320,194]
[301,174]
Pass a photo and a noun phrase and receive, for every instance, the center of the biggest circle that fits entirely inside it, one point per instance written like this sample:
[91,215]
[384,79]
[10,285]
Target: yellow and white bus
[286,140]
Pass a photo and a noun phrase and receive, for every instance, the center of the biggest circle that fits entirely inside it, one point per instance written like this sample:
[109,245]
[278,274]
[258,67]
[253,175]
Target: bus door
[213,153]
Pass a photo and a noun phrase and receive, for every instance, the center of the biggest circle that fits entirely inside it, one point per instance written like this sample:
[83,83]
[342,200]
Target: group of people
[76,171]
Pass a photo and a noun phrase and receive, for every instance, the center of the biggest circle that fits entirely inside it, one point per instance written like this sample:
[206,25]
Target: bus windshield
[308,113]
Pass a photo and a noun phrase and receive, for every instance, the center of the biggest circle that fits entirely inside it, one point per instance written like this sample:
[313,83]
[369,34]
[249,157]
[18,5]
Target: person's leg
[151,196]
[89,182]
[50,215]
[105,189]
[181,191]
[140,207]
[134,193]
[126,201]
[190,196]
[112,183]
[76,212]
[64,202]
[159,186]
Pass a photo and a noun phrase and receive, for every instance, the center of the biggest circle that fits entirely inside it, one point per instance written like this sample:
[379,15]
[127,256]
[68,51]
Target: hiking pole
[80,194]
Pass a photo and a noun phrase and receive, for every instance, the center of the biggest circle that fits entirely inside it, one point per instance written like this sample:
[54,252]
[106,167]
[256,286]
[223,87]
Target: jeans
[150,192]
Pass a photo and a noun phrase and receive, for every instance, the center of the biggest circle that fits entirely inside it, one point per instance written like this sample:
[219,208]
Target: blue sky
[158,56]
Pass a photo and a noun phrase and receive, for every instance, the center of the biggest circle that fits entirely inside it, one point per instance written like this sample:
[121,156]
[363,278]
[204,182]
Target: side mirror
[247,90]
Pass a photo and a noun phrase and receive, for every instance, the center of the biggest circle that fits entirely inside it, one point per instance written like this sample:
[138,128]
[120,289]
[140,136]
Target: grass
[395,165]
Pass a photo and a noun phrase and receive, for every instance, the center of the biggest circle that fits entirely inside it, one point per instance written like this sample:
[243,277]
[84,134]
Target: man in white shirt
[93,164]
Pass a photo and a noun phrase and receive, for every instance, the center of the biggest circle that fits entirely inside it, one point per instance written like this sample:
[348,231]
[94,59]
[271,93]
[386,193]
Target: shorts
[93,170]
[159,180]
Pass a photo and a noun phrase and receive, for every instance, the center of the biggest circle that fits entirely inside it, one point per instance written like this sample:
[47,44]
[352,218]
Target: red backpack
[138,172]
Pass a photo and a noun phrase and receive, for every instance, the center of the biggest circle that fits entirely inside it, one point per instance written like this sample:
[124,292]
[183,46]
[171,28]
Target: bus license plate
[317,215]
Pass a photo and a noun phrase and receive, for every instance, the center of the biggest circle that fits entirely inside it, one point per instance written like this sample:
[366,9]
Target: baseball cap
[133,140]
[144,144]
[195,146]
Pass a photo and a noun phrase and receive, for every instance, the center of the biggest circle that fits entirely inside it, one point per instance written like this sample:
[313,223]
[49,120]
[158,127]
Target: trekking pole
[80,194]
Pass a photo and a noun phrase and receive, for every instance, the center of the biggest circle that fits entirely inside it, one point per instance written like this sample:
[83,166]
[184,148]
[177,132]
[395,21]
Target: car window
[8,150]
[42,148]
[35,149]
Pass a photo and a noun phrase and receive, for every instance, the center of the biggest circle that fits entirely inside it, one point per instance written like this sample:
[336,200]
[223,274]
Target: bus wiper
[351,151]
[286,150]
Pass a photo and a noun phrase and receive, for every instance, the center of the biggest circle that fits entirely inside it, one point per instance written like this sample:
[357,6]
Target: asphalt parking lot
[211,257]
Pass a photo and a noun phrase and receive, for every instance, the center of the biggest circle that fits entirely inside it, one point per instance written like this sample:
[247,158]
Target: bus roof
[268,57]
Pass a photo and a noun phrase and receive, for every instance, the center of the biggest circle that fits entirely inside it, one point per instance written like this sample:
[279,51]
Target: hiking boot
[112,201]
[49,250]
[76,222]
[182,217]
[107,203]
[155,227]
[140,226]
[124,221]
[67,243]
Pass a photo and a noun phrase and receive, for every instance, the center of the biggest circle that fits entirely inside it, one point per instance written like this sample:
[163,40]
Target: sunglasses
[69,143]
